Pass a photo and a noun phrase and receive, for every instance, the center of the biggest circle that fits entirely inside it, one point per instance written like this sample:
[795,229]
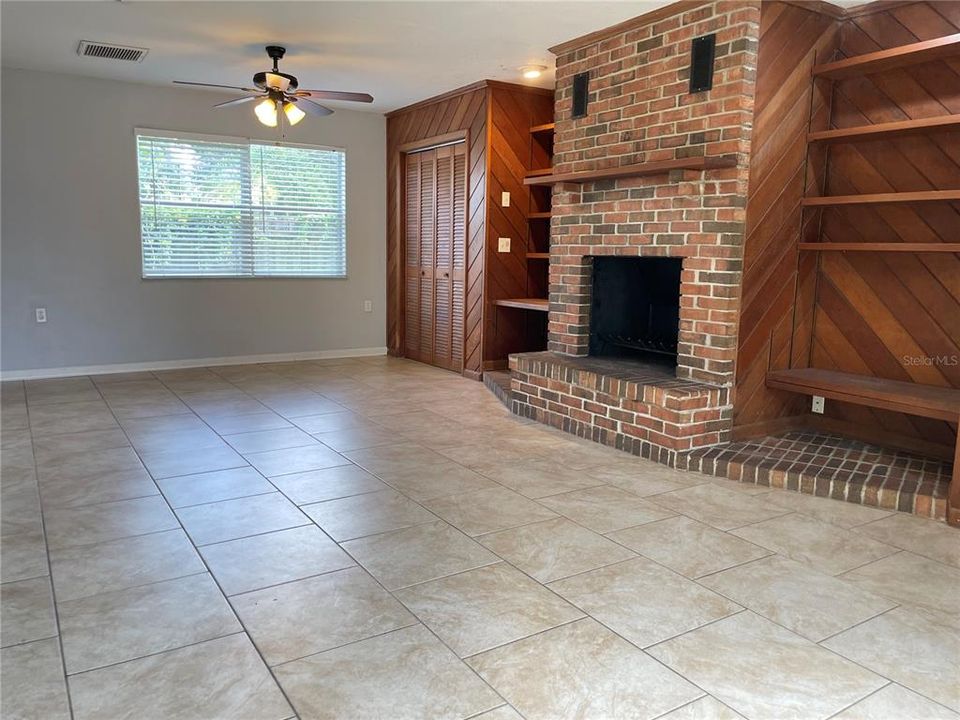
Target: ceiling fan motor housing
[262,81]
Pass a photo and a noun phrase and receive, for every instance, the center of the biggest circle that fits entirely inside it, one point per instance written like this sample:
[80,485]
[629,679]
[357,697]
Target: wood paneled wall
[513,111]
[466,111]
[496,119]
[892,315]
[778,284]
[889,315]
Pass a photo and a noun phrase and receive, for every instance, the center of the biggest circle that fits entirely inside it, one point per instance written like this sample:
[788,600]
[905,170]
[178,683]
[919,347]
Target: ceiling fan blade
[336,95]
[228,87]
[237,101]
[312,108]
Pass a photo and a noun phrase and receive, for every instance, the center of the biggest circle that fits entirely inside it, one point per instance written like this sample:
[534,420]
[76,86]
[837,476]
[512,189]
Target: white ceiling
[400,52]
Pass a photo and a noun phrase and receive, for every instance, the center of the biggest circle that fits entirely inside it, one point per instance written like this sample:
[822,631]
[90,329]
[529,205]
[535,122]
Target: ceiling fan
[278,91]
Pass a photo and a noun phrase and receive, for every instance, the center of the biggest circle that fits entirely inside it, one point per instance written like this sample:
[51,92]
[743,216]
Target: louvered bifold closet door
[412,257]
[428,243]
[443,266]
[459,253]
[435,237]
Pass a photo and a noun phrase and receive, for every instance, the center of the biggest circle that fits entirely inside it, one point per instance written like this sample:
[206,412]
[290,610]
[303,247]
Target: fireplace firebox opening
[635,308]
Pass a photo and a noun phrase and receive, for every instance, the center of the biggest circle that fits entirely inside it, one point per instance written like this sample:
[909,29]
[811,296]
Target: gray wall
[70,235]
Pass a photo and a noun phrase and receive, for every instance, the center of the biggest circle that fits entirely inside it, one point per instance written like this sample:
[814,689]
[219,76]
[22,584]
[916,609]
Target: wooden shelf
[907,397]
[882,198]
[538,256]
[539,215]
[539,304]
[545,128]
[883,131]
[891,58]
[881,247]
[660,167]
[537,173]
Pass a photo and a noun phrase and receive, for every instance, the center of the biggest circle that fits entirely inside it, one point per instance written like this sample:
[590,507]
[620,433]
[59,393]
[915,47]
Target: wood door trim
[449,138]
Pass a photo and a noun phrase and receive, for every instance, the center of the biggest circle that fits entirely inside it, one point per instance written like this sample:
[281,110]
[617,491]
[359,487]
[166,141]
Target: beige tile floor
[375,538]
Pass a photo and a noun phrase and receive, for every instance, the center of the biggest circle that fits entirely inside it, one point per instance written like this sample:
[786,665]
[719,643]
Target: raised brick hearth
[628,404]
[832,466]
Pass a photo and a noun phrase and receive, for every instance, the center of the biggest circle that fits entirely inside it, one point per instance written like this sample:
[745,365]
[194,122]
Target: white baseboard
[43,373]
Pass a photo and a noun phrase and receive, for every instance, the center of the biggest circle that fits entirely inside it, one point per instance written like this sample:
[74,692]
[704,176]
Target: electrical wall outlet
[41,315]
[817,404]
[504,199]
[368,306]
[503,244]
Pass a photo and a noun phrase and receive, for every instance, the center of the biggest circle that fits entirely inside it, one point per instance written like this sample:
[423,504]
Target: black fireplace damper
[635,308]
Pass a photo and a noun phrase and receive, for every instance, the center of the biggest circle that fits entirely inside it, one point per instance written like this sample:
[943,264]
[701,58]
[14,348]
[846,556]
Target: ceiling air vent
[109,51]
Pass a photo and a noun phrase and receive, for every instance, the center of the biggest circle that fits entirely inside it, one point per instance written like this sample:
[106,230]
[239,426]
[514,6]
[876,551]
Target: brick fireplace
[640,111]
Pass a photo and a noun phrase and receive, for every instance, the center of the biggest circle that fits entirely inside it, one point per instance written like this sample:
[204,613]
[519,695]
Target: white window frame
[238,140]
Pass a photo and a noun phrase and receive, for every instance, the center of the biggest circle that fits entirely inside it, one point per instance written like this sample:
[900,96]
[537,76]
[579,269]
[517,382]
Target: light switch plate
[503,244]
[41,314]
[505,199]
[817,404]
[368,306]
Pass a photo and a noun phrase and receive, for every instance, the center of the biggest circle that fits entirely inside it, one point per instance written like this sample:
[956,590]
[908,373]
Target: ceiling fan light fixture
[266,111]
[532,72]
[293,113]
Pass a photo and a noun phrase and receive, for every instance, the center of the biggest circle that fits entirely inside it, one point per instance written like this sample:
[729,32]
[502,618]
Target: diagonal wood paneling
[496,118]
[513,111]
[883,314]
[778,286]
[462,111]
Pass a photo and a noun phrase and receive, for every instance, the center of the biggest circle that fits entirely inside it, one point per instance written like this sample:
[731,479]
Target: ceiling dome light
[266,111]
[532,72]
[293,113]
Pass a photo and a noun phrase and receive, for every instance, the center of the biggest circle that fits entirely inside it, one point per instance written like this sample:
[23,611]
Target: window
[228,207]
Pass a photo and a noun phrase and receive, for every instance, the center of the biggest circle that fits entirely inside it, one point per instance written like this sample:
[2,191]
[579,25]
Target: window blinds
[238,208]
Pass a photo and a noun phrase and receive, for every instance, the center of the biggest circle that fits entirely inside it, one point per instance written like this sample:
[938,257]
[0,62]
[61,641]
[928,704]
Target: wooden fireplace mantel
[660,167]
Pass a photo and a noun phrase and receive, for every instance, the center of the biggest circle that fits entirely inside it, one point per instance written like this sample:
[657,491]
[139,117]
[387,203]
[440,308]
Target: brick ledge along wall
[640,110]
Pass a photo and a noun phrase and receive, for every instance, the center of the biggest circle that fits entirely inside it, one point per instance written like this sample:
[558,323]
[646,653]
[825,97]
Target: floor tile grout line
[538,633]
[50,580]
[33,640]
[831,636]
[216,583]
[214,502]
[415,501]
[367,572]
[20,579]
[897,551]
[912,551]
[785,627]
[538,582]
[651,646]
[156,653]
[689,704]
[864,667]
[104,502]
[397,600]
[415,622]
[855,702]
[101,593]
[115,539]
[314,576]
[378,582]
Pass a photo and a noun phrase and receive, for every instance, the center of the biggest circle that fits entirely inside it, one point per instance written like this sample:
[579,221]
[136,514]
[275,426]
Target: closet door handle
[446,274]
